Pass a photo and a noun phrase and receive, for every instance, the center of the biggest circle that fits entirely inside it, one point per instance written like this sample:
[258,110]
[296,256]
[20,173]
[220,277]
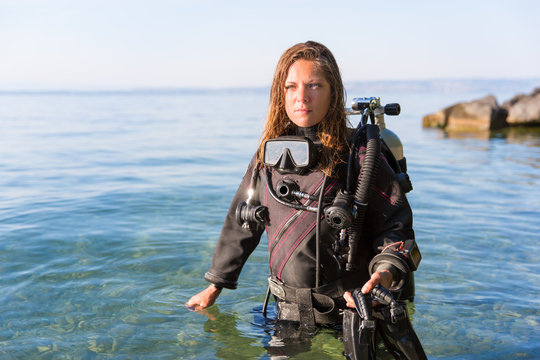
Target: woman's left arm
[389,223]
[383,278]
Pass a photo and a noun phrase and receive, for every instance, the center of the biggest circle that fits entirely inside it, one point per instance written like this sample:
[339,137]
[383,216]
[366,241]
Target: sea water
[111,204]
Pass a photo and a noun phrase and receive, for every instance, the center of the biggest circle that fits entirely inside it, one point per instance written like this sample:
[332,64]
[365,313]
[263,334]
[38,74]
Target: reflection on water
[111,206]
[270,339]
[529,136]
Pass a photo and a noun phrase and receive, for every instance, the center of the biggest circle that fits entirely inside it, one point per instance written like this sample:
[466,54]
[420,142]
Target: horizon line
[418,84]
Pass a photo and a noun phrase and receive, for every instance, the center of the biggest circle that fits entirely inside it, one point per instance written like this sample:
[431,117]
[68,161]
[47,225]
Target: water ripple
[111,207]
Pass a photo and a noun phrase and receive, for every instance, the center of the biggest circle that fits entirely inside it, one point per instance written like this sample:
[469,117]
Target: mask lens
[272,152]
[298,150]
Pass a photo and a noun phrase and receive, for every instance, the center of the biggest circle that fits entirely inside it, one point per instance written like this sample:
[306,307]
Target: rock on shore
[524,109]
[486,114]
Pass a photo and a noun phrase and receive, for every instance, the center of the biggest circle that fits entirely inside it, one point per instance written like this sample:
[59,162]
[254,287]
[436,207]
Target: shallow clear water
[110,206]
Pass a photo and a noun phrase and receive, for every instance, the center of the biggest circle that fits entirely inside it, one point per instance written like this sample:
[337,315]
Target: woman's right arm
[234,246]
[205,298]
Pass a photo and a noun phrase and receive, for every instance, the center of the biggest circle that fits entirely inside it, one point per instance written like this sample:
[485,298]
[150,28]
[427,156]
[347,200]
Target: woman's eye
[314,86]
[289,87]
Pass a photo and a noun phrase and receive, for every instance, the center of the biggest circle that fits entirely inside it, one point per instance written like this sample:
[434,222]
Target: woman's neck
[309,132]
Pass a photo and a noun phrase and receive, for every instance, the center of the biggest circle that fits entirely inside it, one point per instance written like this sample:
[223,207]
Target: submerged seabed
[110,206]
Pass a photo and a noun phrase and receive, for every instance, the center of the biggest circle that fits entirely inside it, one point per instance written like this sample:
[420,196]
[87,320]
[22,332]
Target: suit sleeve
[389,225]
[235,243]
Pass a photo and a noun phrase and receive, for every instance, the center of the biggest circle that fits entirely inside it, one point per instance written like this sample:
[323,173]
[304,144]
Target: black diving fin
[391,321]
[359,329]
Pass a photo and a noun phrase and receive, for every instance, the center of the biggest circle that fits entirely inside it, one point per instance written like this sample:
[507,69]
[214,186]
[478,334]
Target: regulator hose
[318,234]
[368,172]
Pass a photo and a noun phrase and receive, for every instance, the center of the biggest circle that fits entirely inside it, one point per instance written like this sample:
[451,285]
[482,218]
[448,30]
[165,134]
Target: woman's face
[307,94]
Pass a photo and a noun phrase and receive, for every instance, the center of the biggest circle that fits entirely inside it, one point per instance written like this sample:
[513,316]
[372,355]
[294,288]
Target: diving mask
[290,154]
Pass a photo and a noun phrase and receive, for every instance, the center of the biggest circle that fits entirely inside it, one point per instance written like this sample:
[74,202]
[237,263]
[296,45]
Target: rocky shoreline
[486,114]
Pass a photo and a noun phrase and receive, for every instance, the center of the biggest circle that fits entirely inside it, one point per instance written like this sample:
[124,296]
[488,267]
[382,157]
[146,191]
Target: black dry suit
[292,241]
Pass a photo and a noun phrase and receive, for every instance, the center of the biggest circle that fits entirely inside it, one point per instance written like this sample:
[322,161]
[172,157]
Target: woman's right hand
[204,299]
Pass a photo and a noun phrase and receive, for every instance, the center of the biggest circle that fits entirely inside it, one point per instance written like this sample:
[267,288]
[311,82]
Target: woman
[308,274]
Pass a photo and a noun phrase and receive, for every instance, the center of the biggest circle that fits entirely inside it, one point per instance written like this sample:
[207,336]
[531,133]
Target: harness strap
[297,295]
[306,305]
[334,289]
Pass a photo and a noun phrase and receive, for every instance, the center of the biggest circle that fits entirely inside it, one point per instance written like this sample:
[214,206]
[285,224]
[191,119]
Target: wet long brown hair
[332,129]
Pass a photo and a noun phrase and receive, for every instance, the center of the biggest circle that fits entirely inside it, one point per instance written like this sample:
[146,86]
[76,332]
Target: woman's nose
[302,94]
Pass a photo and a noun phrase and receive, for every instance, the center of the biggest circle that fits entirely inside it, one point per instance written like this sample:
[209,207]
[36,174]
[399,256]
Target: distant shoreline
[436,85]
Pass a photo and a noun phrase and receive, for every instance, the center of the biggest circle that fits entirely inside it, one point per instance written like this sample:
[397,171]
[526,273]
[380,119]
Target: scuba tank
[394,145]
[388,136]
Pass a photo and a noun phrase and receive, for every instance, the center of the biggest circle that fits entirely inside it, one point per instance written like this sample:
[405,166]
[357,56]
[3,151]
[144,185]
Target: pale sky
[125,44]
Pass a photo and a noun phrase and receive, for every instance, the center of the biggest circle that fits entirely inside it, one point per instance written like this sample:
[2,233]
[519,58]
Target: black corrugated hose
[368,172]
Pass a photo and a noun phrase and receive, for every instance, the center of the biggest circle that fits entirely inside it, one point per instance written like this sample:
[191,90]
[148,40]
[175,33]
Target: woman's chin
[305,122]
